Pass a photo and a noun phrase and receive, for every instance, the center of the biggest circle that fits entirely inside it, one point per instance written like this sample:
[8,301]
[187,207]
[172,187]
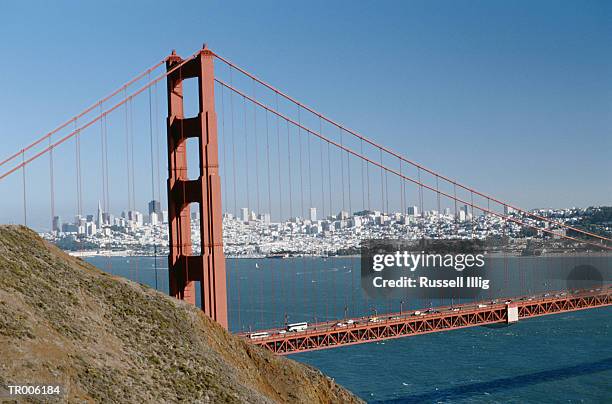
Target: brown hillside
[107,339]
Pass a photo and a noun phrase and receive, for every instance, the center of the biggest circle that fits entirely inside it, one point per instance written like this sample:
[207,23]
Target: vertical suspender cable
[246,155]
[256,147]
[280,202]
[302,210]
[248,192]
[52,185]
[233,141]
[321,169]
[313,290]
[224,144]
[107,207]
[78,169]
[127,157]
[102,166]
[224,192]
[152,156]
[23,177]
[382,183]
[233,149]
[351,214]
[342,175]
[104,178]
[402,184]
[278,146]
[333,280]
[272,286]
[386,190]
[131,106]
[289,169]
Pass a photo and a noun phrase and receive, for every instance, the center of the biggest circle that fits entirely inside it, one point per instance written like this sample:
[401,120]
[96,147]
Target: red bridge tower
[184,268]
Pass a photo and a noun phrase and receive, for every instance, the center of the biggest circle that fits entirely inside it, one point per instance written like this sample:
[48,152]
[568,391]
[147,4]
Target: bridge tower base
[208,268]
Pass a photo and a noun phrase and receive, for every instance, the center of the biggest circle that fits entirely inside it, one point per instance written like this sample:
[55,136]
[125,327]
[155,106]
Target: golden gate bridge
[258,147]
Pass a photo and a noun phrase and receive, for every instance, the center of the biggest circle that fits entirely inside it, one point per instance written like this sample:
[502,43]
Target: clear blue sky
[514,98]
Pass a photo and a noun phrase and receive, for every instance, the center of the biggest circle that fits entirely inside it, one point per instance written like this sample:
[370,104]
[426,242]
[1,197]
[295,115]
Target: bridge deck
[396,325]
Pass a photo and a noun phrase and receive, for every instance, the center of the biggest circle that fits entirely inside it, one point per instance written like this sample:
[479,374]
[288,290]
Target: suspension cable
[392,153]
[395,172]
[93,120]
[84,112]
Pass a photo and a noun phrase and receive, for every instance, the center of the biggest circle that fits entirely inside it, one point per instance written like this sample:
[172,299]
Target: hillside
[107,339]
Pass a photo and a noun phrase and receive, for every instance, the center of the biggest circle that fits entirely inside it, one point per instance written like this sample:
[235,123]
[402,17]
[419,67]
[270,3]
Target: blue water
[560,358]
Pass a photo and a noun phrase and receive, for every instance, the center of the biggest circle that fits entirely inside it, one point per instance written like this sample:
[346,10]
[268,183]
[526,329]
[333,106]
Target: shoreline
[129,253]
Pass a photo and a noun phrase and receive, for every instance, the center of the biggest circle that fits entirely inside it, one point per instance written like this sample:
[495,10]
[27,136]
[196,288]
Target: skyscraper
[57,223]
[155,206]
[154,219]
[313,214]
[100,221]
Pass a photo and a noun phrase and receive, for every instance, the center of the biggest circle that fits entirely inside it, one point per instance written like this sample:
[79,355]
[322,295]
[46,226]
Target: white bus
[257,335]
[295,327]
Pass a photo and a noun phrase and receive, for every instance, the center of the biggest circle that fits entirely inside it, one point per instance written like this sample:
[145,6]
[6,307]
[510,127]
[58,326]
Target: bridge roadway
[333,334]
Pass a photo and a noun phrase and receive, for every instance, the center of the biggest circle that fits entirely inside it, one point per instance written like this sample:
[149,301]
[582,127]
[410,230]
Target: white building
[90,228]
[153,219]
[413,210]
[313,214]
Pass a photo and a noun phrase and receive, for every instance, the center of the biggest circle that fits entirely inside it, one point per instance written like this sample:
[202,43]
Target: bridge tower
[184,268]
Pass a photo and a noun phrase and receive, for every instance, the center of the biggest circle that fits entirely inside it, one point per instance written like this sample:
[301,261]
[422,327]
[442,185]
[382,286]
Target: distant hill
[107,339]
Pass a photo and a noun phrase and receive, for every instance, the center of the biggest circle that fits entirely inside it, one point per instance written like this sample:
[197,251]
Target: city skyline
[254,235]
[545,92]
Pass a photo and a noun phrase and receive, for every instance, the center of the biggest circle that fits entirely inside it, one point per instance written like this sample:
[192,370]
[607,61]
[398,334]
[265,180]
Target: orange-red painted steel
[184,268]
[396,325]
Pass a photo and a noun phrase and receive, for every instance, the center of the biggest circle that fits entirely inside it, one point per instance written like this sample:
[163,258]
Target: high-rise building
[153,218]
[80,221]
[266,218]
[461,216]
[108,218]
[164,216]
[135,217]
[90,228]
[57,224]
[355,222]
[155,206]
[70,228]
[245,214]
[100,221]
[313,214]
[138,218]
[413,210]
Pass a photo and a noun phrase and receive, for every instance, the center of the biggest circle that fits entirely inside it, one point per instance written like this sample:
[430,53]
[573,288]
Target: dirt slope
[106,339]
